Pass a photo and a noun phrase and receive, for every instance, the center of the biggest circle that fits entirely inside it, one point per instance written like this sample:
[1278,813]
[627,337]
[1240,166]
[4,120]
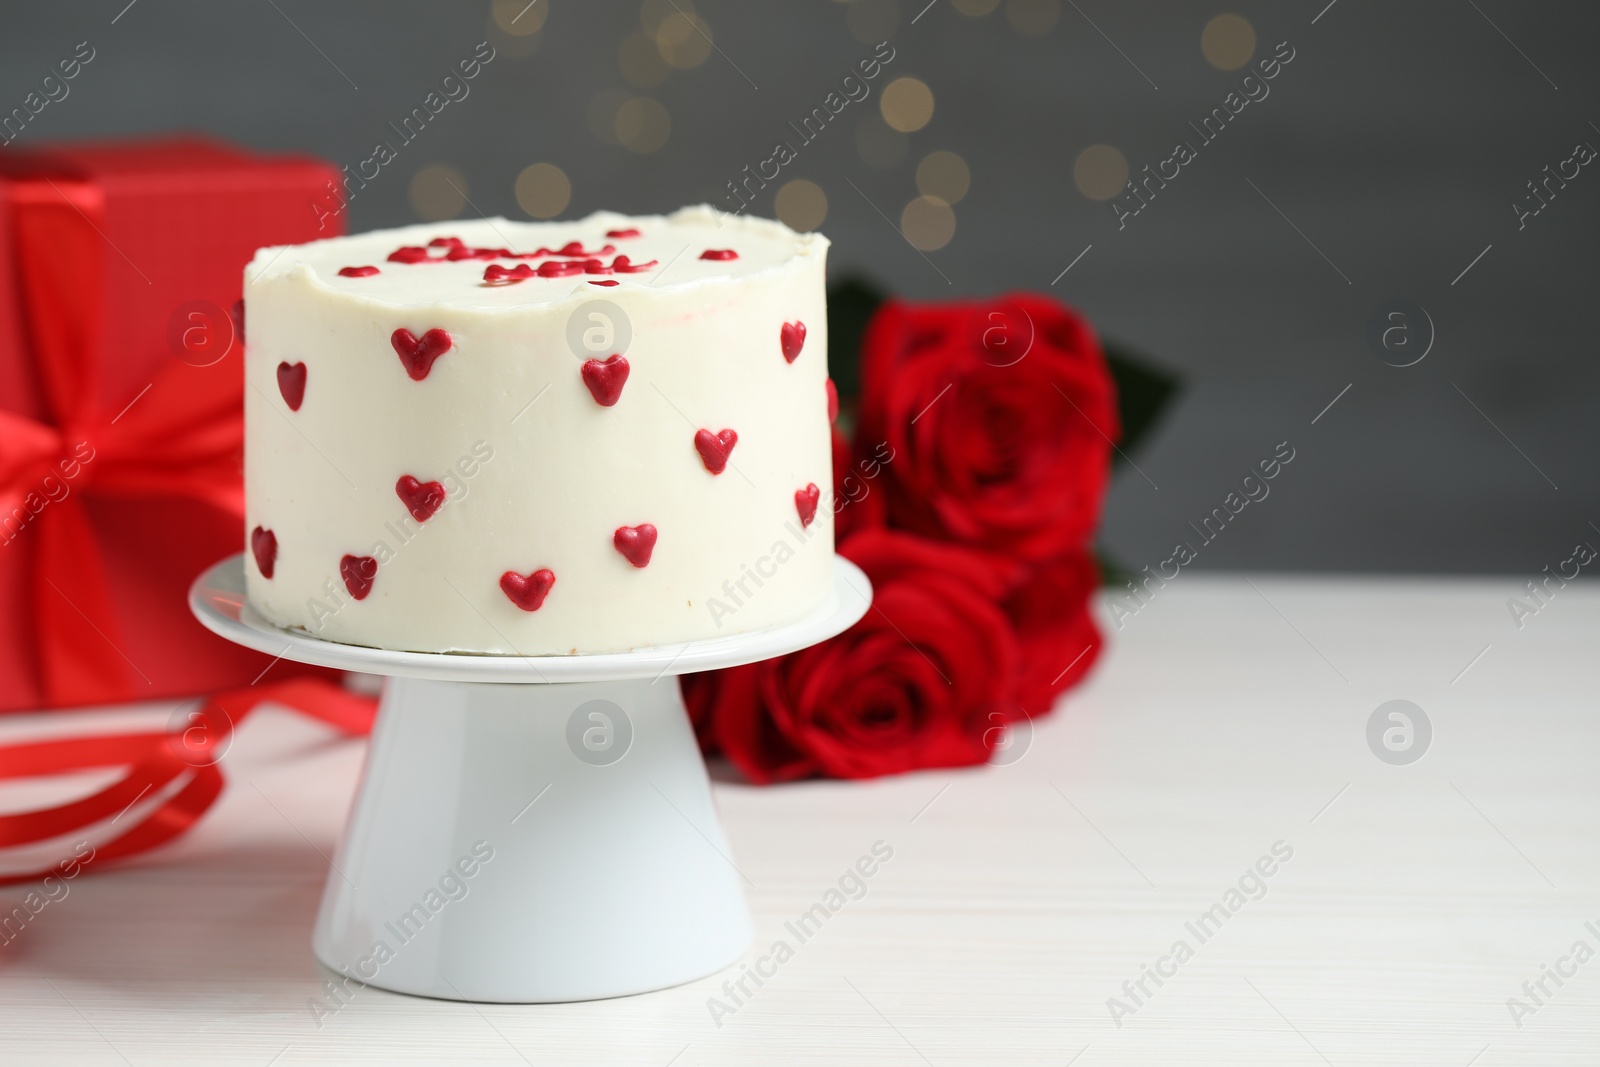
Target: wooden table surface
[1406,907]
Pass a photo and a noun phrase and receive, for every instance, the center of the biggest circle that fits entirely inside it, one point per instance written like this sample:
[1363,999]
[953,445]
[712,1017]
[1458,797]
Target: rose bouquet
[968,492]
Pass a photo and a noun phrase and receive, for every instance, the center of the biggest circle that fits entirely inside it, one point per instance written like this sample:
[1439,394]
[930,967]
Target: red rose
[1056,635]
[909,686]
[999,417]
[699,690]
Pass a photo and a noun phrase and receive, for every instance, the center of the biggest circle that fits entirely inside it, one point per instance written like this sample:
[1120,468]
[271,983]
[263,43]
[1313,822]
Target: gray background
[1396,142]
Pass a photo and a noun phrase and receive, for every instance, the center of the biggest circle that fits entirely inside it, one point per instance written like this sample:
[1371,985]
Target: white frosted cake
[539,438]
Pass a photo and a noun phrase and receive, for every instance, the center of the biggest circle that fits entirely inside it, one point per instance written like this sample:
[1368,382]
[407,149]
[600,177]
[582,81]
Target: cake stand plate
[530,828]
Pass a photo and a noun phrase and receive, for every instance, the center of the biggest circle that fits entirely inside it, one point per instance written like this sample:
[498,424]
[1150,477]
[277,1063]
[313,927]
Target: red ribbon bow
[179,437]
[123,488]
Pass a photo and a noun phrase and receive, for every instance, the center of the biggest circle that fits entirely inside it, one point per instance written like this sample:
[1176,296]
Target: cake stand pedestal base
[530,828]
[532,843]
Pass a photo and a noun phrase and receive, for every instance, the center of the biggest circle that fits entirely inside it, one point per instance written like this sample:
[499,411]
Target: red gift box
[121,427]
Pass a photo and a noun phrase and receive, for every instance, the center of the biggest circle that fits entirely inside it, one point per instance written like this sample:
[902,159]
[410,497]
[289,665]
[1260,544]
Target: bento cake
[539,438]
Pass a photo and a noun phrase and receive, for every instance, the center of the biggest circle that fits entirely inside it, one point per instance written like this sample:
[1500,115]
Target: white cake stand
[525,843]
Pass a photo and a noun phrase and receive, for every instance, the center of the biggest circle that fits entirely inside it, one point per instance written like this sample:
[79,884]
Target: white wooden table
[1228,716]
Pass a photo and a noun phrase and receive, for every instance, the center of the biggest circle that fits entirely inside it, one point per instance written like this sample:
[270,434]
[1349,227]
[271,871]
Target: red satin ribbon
[180,438]
[154,761]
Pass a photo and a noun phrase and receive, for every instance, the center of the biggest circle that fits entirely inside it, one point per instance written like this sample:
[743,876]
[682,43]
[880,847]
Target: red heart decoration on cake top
[418,353]
[292,384]
[714,448]
[422,499]
[605,380]
[793,338]
[527,591]
[719,253]
[264,546]
[357,272]
[495,274]
[805,502]
[553,268]
[358,573]
[635,542]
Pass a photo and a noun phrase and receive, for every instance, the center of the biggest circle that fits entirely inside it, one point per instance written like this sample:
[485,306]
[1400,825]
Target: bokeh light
[684,41]
[640,61]
[438,191]
[1033,18]
[879,146]
[1101,172]
[906,104]
[519,18]
[652,13]
[642,125]
[944,176]
[543,190]
[525,39]
[928,223]
[1228,42]
[801,205]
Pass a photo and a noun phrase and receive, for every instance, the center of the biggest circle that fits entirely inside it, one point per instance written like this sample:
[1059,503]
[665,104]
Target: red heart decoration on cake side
[358,573]
[635,542]
[605,379]
[793,338]
[714,448]
[292,384]
[805,502]
[264,546]
[422,499]
[833,401]
[527,591]
[418,353]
